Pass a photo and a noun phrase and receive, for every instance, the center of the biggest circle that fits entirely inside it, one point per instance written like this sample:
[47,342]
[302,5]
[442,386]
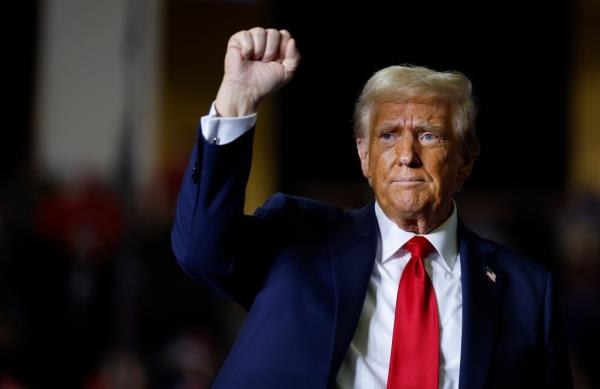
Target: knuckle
[258,31]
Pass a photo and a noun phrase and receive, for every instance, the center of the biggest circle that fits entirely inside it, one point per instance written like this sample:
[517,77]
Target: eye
[387,136]
[428,137]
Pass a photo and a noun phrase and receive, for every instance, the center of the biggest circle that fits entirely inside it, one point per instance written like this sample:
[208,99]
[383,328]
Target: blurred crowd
[91,296]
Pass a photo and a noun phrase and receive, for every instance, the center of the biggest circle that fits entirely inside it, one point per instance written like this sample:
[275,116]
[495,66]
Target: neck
[420,222]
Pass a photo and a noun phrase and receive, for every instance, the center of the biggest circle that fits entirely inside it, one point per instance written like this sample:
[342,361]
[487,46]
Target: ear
[362,148]
[464,171]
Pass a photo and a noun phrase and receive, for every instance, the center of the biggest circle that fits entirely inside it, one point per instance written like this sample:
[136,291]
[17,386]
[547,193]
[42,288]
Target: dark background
[516,54]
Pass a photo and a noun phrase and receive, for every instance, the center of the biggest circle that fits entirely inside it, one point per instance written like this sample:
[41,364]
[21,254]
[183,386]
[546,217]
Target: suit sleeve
[558,368]
[211,238]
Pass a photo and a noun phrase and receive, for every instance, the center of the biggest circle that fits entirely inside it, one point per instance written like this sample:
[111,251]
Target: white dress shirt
[367,359]
[222,130]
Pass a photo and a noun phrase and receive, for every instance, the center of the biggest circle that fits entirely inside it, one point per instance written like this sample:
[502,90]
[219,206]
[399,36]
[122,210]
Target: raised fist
[258,62]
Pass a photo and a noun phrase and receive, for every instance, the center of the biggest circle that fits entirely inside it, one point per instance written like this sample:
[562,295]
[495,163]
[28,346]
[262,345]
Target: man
[398,294]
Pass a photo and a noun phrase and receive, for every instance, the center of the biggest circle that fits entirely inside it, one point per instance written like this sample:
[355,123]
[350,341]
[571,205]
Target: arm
[211,237]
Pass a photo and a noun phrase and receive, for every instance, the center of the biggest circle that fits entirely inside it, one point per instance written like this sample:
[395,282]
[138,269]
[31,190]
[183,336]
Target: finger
[246,44]
[259,37]
[285,38]
[272,46]
[292,59]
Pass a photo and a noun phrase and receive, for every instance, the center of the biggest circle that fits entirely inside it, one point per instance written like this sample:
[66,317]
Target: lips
[408,180]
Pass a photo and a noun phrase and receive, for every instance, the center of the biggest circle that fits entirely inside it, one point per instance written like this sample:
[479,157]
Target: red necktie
[414,363]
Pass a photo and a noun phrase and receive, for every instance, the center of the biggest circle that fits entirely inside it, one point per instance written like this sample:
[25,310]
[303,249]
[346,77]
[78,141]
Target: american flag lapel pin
[491,276]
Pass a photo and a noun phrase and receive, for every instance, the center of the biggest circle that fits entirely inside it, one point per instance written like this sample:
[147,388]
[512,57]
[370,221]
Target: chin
[407,208]
[403,202]
[410,202]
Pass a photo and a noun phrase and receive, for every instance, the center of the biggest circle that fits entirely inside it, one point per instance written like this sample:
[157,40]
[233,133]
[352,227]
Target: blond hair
[403,83]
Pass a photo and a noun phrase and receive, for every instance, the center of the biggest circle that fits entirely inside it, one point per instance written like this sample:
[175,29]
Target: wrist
[232,102]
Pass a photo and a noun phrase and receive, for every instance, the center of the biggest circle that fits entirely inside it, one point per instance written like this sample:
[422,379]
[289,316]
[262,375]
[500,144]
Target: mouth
[408,181]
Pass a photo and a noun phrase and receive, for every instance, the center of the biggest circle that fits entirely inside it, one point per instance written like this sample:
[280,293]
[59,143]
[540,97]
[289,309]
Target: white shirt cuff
[222,130]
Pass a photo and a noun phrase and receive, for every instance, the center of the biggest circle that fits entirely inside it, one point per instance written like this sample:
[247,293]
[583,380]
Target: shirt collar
[442,238]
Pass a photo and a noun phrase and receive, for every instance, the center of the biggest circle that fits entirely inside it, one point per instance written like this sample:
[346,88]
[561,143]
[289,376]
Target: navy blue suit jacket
[301,269]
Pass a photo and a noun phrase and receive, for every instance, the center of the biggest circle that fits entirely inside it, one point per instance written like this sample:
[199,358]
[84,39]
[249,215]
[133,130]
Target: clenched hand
[258,62]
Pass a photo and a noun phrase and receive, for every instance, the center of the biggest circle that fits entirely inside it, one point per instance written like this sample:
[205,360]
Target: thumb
[291,60]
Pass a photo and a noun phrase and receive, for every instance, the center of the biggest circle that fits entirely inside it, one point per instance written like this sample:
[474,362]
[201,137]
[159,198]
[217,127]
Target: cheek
[445,174]
[381,162]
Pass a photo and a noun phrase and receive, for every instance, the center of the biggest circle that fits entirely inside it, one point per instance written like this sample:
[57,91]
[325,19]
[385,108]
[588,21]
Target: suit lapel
[352,253]
[482,284]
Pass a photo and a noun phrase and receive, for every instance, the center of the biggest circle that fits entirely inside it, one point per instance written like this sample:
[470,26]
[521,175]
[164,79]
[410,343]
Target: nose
[407,151]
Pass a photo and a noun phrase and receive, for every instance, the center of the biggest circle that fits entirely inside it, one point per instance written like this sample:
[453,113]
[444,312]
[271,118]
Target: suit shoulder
[302,215]
[281,203]
[509,258]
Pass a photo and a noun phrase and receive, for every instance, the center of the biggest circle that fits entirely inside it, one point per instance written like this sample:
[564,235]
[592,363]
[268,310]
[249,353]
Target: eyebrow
[430,127]
[423,126]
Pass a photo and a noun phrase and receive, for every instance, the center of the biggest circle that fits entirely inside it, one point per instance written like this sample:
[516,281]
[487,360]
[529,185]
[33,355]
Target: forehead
[430,112]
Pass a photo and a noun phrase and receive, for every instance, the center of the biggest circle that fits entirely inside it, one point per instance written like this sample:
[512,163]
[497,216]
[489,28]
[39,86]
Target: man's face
[412,160]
